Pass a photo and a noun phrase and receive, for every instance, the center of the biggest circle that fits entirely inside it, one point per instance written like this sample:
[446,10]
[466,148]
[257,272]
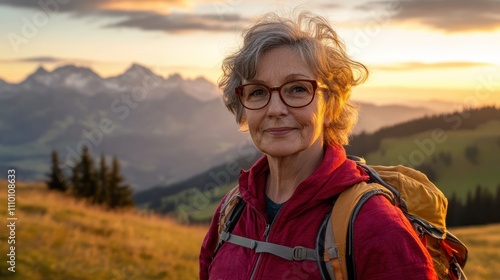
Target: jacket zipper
[266,235]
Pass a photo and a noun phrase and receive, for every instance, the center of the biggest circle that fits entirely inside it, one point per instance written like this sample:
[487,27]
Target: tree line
[364,143]
[99,185]
[481,207]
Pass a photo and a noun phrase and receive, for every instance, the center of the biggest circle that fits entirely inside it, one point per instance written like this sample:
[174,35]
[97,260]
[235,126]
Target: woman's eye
[299,89]
[257,93]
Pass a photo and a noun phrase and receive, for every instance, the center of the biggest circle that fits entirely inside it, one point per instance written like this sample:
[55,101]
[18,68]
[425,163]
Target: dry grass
[61,238]
[484,251]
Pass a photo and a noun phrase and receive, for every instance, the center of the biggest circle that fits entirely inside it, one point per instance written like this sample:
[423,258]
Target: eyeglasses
[295,94]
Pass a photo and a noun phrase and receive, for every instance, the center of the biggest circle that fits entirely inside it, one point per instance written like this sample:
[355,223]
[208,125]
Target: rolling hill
[59,238]
[437,146]
[446,162]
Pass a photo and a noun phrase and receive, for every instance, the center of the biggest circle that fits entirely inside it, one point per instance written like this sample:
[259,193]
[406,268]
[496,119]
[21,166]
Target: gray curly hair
[320,47]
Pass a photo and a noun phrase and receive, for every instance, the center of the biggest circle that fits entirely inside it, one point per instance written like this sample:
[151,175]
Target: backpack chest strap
[297,253]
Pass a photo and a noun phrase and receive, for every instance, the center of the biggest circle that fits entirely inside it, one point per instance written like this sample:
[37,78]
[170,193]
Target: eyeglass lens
[293,94]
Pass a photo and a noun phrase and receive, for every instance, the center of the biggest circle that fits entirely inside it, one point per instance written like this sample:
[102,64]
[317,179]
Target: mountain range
[162,129]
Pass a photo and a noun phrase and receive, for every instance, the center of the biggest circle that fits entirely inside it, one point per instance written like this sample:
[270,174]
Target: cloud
[180,22]
[416,66]
[331,5]
[40,59]
[444,15]
[148,15]
[55,6]
[47,59]
[93,5]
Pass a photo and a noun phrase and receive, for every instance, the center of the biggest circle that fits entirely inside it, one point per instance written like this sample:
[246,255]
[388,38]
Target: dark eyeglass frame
[239,92]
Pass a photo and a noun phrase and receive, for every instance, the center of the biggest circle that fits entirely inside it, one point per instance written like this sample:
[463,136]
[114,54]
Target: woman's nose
[276,106]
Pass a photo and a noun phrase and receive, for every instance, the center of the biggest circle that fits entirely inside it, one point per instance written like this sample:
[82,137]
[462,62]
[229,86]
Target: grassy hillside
[484,251]
[59,238]
[461,175]
[363,144]
[207,181]
[192,205]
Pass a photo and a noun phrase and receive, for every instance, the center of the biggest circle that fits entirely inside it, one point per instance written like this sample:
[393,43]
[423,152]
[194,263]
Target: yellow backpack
[420,200]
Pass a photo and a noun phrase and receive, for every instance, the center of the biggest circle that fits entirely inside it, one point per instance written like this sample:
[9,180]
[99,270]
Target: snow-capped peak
[81,79]
[137,71]
[135,75]
[201,89]
[40,71]
[40,76]
[86,81]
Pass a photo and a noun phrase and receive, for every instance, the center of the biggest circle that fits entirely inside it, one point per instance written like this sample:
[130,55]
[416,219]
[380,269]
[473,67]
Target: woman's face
[279,130]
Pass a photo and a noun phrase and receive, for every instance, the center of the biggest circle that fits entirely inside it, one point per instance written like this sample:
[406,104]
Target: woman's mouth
[279,130]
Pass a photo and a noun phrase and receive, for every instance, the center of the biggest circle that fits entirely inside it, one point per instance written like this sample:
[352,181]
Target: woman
[289,86]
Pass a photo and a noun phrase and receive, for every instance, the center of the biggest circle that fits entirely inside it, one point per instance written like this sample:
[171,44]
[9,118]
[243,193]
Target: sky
[420,50]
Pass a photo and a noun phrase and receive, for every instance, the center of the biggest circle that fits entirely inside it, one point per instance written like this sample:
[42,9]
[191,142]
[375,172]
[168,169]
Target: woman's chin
[277,150]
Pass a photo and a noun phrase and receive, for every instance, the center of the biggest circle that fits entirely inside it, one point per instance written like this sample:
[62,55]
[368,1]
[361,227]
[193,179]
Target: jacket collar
[334,174]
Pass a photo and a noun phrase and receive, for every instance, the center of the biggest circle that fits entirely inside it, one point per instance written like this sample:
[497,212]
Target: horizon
[412,52]
[448,105]
[41,66]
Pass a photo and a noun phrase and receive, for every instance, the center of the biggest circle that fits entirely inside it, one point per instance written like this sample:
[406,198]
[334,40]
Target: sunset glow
[159,6]
[408,45]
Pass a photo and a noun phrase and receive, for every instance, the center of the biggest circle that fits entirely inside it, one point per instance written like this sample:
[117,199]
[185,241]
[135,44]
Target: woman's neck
[286,173]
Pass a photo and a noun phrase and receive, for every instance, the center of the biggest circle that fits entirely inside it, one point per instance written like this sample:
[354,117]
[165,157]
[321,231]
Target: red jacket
[385,244]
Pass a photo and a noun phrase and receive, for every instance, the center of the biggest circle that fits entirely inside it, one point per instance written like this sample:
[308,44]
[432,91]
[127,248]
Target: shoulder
[386,246]
[379,221]
[379,213]
[212,237]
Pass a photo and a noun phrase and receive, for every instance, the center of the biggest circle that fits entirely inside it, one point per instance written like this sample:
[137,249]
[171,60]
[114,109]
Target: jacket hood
[334,174]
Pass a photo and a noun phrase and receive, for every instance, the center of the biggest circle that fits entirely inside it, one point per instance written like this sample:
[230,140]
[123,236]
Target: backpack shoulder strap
[340,223]
[230,212]
[233,197]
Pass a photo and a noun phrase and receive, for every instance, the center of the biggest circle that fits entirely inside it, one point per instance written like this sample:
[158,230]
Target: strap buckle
[224,236]
[299,253]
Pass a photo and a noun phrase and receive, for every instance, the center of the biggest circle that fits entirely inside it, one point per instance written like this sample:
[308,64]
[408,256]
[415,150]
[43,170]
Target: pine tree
[102,193]
[100,186]
[89,178]
[76,181]
[454,215]
[83,177]
[469,211]
[57,179]
[120,194]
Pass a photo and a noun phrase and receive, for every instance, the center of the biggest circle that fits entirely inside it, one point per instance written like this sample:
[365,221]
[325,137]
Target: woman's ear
[243,127]
[243,123]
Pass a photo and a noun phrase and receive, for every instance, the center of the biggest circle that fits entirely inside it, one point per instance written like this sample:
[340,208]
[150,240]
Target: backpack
[420,200]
